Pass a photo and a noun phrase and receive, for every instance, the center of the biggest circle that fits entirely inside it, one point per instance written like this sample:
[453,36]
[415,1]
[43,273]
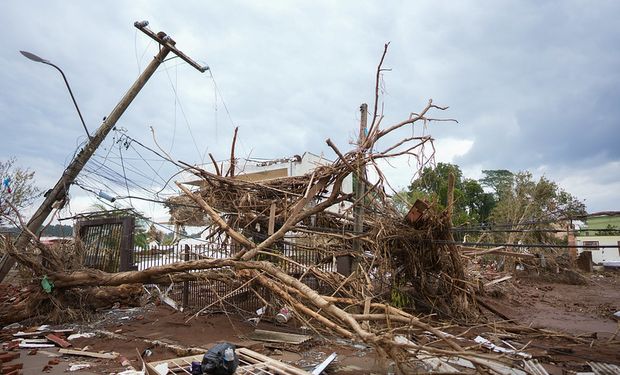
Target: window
[590,245]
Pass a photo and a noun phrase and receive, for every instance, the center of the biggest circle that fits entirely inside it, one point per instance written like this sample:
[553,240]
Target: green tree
[525,204]
[496,179]
[17,188]
[154,234]
[471,202]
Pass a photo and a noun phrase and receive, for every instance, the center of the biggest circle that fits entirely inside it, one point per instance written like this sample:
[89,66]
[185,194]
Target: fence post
[126,246]
[186,283]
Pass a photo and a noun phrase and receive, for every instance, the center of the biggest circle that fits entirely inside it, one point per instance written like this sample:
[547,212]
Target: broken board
[88,354]
[281,337]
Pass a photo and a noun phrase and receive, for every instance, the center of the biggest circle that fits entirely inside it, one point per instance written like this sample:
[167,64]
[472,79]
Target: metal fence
[202,292]
[107,243]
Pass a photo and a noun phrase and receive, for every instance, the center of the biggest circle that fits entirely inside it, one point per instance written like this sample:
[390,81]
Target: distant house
[601,230]
[51,240]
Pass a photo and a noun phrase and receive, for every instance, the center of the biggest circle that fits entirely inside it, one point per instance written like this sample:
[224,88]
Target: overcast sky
[534,85]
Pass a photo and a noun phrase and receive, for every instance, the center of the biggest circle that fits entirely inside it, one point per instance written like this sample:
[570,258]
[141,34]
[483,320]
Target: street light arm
[70,93]
[35,58]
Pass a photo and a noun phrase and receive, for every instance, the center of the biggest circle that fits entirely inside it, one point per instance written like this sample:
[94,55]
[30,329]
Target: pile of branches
[40,299]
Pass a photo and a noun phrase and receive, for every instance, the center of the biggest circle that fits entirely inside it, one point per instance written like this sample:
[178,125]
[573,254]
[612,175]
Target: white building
[263,170]
[601,235]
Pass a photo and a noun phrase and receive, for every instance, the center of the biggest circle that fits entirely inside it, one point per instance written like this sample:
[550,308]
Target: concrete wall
[601,255]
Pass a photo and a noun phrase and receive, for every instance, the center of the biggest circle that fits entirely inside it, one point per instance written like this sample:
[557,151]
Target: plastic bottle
[229,355]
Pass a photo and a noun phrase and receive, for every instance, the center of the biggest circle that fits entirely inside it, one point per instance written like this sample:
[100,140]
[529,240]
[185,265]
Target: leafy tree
[471,202]
[17,187]
[525,203]
[154,234]
[496,179]
[58,230]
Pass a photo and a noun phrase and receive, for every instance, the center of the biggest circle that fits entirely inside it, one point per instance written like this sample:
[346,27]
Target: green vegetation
[512,200]
[471,203]
[17,188]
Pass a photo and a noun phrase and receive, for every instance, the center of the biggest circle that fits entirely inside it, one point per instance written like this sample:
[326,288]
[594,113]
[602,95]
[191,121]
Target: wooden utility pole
[450,198]
[345,263]
[360,188]
[57,195]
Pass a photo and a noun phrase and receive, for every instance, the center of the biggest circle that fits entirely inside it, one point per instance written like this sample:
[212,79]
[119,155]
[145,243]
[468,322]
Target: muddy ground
[583,310]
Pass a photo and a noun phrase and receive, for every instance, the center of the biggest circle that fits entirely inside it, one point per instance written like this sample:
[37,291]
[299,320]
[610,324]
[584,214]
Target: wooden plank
[252,356]
[365,323]
[88,354]
[35,345]
[272,219]
[498,280]
[283,337]
[28,334]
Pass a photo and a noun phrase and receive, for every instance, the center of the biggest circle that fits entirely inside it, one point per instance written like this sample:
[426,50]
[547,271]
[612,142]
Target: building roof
[604,213]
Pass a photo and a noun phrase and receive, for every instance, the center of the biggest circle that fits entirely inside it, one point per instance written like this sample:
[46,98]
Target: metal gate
[108,243]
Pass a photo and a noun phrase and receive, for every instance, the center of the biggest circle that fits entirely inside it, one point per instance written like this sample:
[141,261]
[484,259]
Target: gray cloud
[534,85]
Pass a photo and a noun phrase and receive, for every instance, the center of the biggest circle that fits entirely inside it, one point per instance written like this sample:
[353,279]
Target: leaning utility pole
[345,264]
[56,196]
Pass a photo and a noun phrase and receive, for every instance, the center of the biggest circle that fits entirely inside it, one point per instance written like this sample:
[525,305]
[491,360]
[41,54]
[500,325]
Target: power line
[517,245]
[533,230]
[178,100]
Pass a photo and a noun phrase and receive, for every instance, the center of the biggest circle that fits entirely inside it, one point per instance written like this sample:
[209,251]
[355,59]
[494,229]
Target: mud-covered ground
[578,309]
[583,310]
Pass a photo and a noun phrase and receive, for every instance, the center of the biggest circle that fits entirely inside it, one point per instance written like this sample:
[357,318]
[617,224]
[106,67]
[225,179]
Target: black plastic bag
[220,360]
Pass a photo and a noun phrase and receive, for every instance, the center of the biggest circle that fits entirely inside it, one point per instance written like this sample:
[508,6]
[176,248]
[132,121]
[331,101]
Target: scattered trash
[323,365]
[167,300]
[86,335]
[260,312]
[124,361]
[283,316]
[489,345]
[78,366]
[12,326]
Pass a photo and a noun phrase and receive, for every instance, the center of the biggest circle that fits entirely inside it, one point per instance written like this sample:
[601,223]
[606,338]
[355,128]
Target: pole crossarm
[167,42]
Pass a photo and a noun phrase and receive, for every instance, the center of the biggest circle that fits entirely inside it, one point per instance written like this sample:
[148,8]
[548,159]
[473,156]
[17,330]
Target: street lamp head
[34,57]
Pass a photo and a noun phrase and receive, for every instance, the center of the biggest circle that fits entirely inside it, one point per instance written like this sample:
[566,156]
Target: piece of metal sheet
[604,368]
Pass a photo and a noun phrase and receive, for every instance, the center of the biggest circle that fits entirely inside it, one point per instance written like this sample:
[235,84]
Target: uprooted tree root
[33,303]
